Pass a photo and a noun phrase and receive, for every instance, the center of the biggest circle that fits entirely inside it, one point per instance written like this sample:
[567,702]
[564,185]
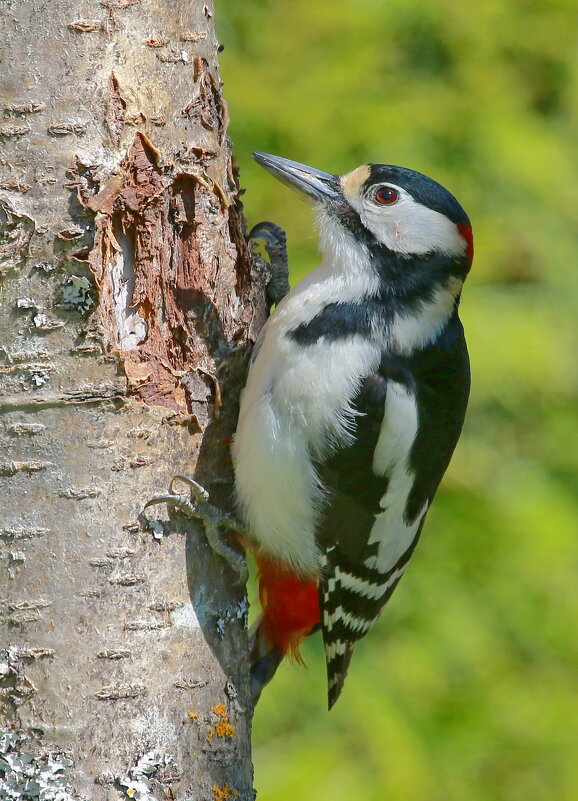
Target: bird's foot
[275,245]
[217,523]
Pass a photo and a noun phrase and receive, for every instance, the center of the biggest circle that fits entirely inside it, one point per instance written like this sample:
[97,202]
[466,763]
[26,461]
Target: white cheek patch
[408,227]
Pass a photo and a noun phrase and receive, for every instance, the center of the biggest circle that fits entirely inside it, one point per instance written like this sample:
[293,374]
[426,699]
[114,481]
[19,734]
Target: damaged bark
[129,304]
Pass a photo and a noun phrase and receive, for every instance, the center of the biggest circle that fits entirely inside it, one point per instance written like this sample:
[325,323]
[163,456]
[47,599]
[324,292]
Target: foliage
[465,689]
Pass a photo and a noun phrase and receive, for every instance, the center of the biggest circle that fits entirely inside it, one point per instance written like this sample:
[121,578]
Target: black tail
[265,659]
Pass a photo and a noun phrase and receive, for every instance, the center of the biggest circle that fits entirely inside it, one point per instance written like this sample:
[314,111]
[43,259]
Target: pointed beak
[320,186]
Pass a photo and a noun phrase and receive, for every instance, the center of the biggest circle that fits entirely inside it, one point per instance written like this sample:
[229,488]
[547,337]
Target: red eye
[386,196]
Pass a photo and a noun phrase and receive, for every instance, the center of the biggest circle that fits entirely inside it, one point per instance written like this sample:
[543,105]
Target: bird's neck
[407,300]
[402,277]
[415,323]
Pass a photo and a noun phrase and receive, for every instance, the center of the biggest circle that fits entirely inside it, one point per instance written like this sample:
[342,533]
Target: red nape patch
[466,233]
[290,606]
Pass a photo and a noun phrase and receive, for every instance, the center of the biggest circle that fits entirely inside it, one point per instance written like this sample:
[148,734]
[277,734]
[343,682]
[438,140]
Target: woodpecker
[354,403]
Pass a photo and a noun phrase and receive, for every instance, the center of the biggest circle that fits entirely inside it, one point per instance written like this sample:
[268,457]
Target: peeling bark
[129,303]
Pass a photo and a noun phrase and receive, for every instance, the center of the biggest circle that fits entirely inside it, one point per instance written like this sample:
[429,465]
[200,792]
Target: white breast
[297,403]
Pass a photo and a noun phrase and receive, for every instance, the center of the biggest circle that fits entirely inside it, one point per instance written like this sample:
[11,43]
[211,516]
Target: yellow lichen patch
[223,727]
[193,715]
[224,793]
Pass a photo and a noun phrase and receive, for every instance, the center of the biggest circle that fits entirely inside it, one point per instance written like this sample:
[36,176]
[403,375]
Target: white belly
[296,404]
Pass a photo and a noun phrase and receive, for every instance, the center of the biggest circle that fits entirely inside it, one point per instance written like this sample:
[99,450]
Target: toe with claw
[275,244]
[217,523]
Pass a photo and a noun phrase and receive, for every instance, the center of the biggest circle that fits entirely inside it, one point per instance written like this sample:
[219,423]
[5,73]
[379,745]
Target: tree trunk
[129,304]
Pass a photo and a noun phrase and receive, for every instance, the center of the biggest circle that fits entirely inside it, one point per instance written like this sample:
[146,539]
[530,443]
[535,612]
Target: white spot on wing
[391,459]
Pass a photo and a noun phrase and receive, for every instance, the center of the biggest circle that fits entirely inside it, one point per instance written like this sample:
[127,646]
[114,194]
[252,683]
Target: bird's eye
[386,196]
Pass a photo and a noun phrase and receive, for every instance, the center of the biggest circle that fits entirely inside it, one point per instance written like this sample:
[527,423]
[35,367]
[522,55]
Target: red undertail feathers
[290,613]
[290,606]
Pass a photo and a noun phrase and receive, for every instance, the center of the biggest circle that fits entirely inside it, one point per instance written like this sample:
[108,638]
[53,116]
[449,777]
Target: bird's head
[400,216]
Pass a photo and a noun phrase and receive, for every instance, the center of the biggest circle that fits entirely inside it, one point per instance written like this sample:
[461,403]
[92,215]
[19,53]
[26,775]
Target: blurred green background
[466,689]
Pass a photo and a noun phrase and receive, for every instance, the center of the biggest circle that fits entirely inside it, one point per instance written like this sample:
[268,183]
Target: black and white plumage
[357,393]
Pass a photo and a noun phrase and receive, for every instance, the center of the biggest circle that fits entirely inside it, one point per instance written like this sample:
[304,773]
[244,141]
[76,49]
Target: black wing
[352,589]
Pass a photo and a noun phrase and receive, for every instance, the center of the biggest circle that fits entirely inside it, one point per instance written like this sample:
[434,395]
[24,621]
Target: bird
[354,402]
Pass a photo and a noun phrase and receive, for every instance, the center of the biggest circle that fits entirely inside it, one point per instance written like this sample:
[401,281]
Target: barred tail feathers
[338,656]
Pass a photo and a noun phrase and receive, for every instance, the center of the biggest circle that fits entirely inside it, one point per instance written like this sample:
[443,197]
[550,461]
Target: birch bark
[128,305]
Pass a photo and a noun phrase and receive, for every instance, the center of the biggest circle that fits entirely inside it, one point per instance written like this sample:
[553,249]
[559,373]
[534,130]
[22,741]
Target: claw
[213,519]
[275,241]
[178,501]
[200,493]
